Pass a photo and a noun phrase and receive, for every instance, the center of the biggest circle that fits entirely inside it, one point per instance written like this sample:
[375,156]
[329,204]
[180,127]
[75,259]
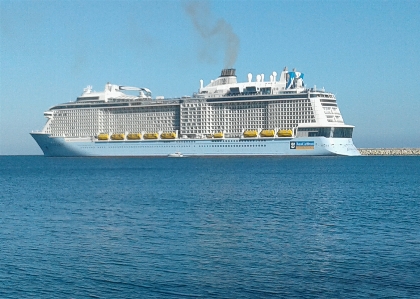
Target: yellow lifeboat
[267,133]
[218,135]
[168,135]
[134,136]
[250,133]
[117,136]
[151,136]
[285,133]
[103,136]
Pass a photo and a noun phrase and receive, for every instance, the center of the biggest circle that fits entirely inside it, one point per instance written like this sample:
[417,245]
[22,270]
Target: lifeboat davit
[168,135]
[117,136]
[151,136]
[285,133]
[103,136]
[267,133]
[250,133]
[134,136]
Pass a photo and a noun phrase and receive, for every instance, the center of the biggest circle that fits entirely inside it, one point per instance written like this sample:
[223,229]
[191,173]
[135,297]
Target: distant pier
[389,151]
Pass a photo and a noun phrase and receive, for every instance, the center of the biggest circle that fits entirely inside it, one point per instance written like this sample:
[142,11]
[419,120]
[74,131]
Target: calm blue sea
[307,227]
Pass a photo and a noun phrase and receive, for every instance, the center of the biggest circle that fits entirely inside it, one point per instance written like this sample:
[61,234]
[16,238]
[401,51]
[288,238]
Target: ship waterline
[225,118]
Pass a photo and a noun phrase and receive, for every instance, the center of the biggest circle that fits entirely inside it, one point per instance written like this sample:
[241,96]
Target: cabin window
[234,90]
[333,132]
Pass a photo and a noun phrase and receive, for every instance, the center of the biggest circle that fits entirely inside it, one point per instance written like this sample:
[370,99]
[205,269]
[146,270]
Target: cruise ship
[276,116]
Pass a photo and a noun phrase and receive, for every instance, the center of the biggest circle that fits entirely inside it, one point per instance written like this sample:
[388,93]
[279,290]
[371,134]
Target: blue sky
[366,52]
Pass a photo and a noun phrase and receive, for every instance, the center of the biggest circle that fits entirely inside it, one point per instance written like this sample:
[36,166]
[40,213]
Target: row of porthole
[234,145]
[226,145]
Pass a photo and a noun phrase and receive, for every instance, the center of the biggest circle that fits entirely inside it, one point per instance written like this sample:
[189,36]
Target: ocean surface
[303,227]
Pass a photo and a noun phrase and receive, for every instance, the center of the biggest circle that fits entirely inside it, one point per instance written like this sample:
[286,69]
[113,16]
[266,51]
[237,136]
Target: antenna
[88,89]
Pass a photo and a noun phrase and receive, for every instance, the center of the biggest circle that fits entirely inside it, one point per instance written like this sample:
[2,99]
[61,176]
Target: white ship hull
[90,147]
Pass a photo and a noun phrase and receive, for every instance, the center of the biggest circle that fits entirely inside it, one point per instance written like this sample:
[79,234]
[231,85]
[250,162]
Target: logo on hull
[302,145]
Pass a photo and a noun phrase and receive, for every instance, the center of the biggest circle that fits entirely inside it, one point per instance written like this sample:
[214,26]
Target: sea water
[302,227]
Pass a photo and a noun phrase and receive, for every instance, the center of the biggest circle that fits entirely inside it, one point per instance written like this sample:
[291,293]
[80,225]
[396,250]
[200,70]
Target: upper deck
[227,85]
[225,88]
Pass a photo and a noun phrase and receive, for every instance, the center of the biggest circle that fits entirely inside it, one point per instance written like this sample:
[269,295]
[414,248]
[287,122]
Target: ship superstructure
[278,116]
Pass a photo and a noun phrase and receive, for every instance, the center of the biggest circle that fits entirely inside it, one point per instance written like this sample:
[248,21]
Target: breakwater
[389,151]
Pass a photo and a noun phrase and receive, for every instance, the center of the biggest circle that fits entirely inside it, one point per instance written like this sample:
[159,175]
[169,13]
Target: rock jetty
[389,151]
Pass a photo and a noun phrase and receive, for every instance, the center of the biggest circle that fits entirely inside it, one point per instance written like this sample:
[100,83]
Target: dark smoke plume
[220,33]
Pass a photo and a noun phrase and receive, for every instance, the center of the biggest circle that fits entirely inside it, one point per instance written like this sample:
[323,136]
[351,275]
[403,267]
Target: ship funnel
[228,72]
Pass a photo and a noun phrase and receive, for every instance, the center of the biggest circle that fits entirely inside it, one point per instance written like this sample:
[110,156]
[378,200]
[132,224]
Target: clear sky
[366,52]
